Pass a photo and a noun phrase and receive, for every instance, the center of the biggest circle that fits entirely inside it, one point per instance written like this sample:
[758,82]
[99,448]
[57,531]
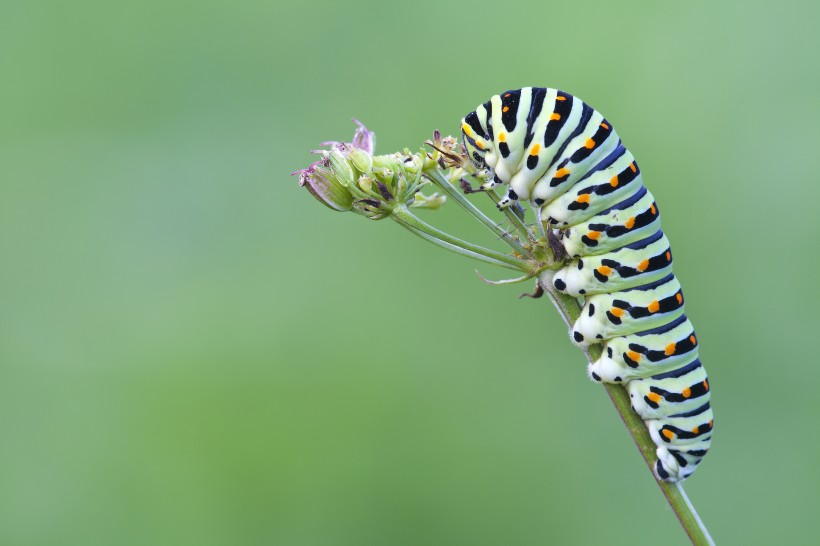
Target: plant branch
[439,180]
[407,219]
[570,310]
[511,216]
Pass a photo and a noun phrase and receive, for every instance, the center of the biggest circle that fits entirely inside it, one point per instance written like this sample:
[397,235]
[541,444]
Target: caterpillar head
[475,139]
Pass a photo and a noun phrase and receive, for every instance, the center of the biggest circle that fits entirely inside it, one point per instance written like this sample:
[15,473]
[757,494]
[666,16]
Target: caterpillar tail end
[661,473]
[667,469]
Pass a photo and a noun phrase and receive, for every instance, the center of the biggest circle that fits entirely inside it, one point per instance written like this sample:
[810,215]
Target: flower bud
[364,139]
[362,160]
[325,187]
[341,168]
[366,183]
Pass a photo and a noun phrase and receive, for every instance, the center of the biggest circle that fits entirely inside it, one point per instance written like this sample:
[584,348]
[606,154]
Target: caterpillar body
[565,158]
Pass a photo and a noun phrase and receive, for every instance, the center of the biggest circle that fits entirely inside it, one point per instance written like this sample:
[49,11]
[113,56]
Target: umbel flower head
[349,177]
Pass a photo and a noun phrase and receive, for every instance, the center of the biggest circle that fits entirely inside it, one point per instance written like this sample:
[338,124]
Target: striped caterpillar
[565,158]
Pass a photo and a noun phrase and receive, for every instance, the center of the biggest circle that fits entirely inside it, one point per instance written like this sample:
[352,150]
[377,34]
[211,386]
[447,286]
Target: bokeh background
[193,351]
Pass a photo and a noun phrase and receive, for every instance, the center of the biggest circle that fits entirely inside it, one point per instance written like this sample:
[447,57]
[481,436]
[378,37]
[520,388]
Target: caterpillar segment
[631,220]
[650,352]
[605,316]
[630,266]
[564,158]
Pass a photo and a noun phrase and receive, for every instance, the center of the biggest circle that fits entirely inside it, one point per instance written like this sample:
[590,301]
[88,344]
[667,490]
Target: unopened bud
[341,168]
[365,183]
[326,188]
[362,160]
[364,139]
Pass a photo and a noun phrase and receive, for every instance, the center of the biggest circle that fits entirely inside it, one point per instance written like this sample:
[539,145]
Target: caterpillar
[563,157]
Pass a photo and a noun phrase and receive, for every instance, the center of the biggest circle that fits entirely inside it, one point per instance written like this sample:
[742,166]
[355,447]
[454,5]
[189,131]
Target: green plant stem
[407,219]
[570,310]
[453,193]
[511,216]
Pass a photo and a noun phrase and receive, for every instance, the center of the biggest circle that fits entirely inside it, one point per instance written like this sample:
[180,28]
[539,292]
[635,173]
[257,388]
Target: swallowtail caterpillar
[564,158]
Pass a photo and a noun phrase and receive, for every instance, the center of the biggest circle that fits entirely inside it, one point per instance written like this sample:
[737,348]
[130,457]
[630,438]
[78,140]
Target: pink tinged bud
[364,139]
[325,187]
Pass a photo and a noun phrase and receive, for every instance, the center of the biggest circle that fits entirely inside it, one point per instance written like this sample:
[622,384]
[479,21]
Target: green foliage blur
[194,351]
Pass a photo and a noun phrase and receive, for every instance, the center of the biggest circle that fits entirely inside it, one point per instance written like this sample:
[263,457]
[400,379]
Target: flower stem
[407,219]
[570,310]
[452,192]
[511,216]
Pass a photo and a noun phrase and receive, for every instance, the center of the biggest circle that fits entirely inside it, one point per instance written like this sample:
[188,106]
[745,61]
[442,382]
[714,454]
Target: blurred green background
[193,351]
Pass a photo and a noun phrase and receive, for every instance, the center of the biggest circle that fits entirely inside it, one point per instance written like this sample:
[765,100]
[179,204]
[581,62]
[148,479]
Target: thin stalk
[452,192]
[516,221]
[570,310]
[407,219]
[455,249]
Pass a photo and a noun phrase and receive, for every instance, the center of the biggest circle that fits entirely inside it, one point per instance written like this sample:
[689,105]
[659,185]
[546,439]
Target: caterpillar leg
[467,188]
[492,183]
[510,199]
